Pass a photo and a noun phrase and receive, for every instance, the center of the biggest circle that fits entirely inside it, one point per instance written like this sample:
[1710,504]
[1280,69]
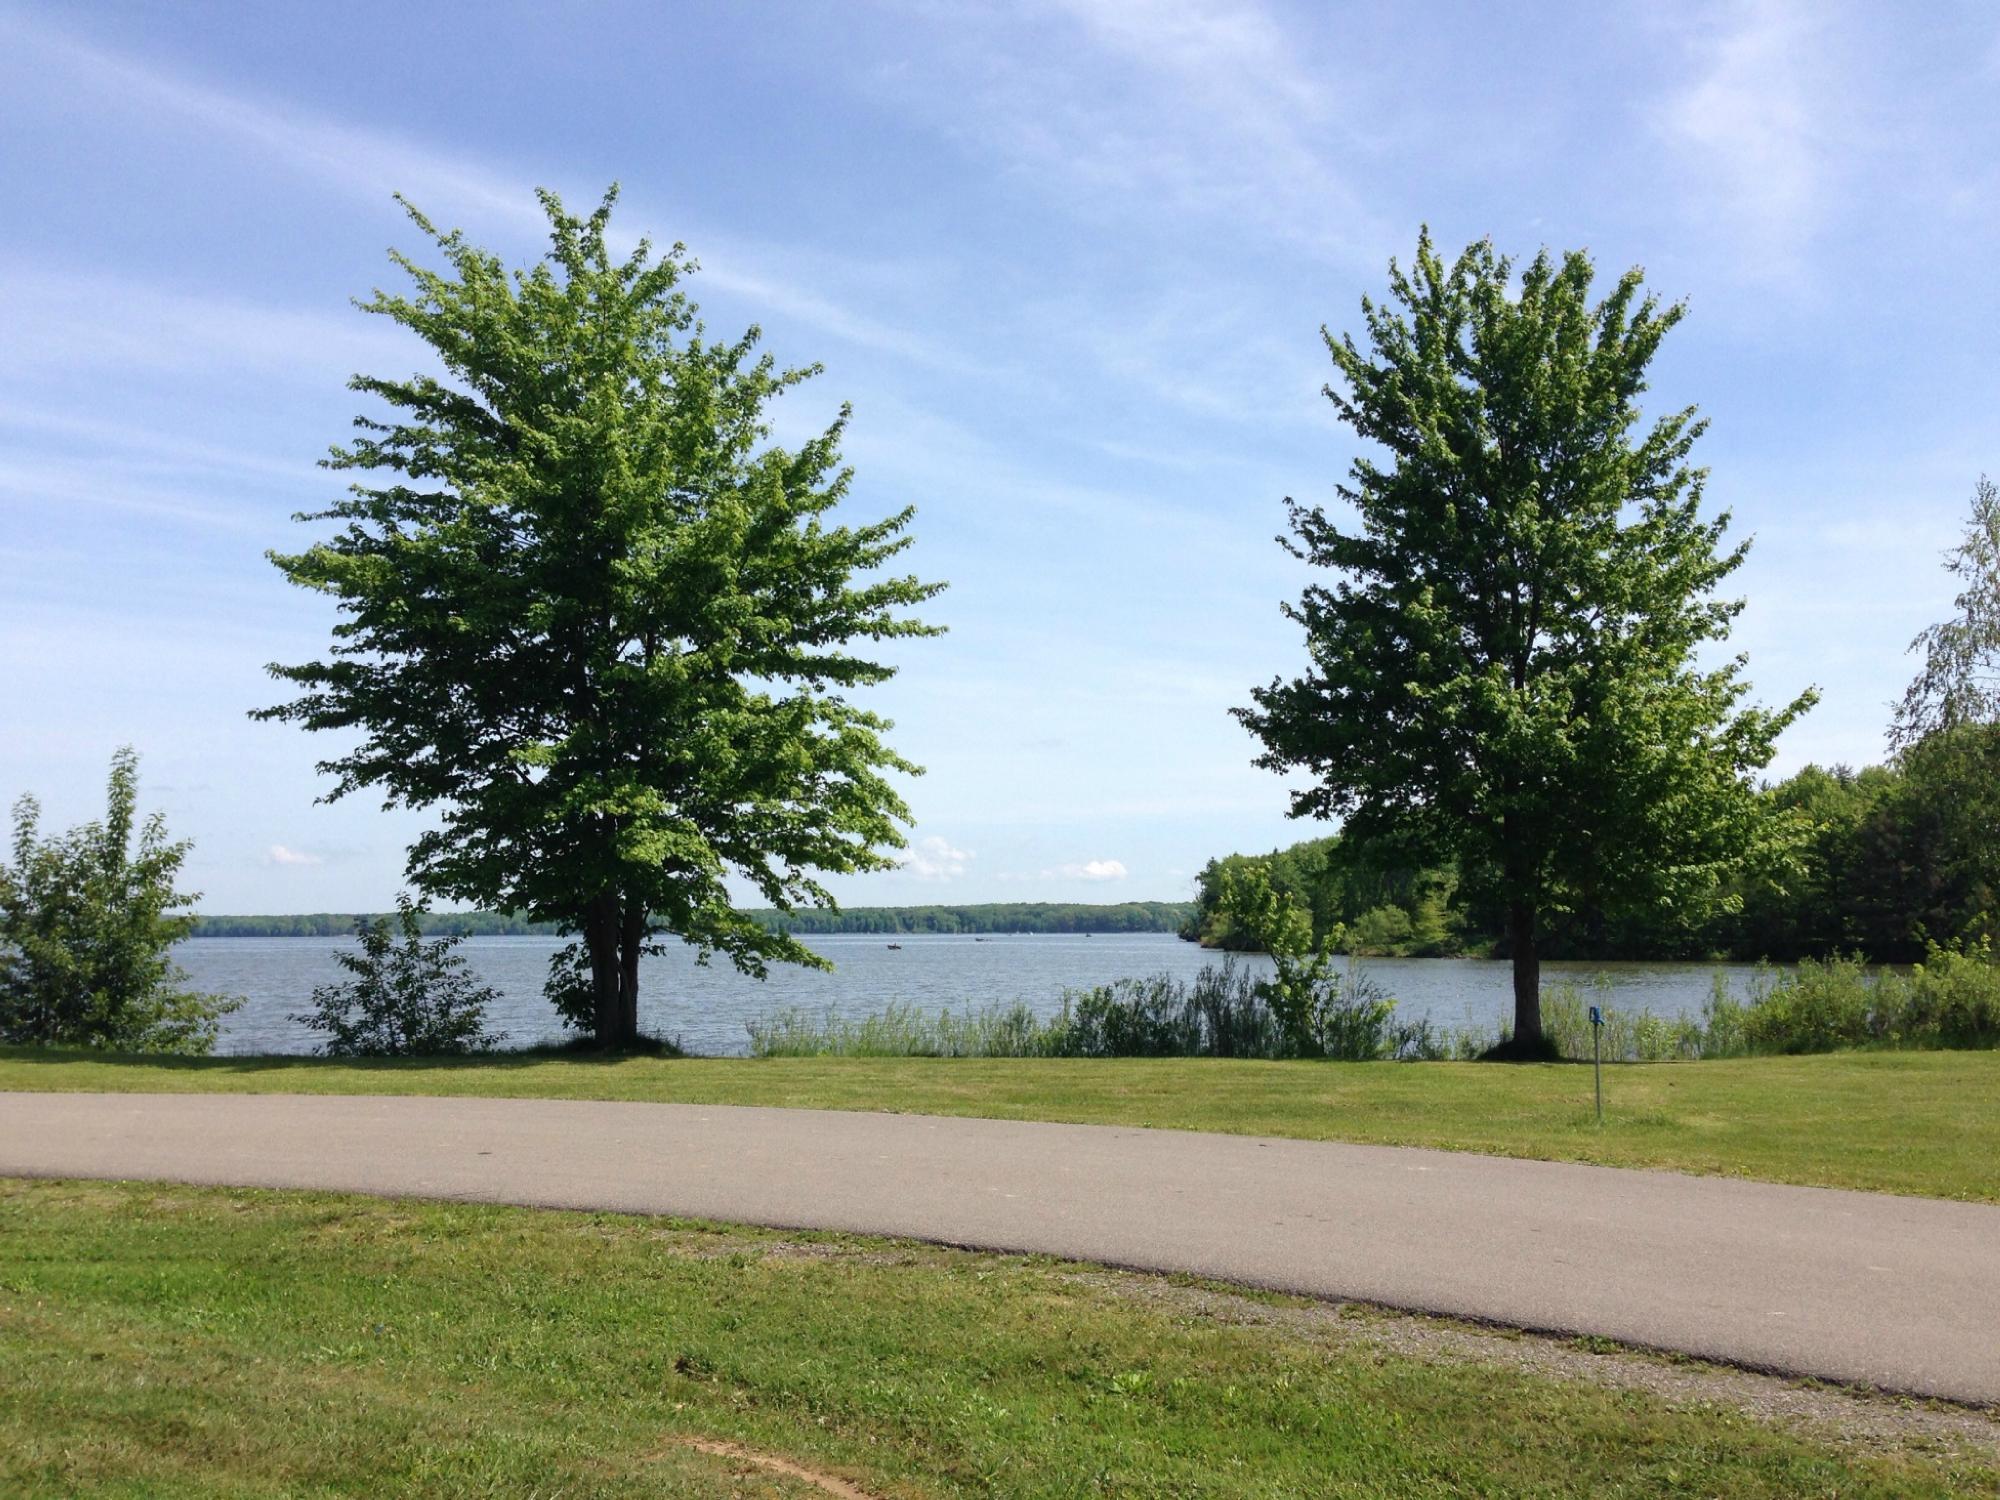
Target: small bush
[1629,1036]
[1350,1020]
[1225,1012]
[407,999]
[1229,1016]
[1951,999]
[1153,1017]
[1824,1005]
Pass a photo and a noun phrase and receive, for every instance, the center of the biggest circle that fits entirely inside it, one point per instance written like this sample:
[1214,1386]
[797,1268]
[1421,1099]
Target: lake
[706,1008]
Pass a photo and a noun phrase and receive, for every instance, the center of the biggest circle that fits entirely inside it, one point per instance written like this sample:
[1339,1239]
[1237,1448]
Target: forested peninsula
[999,917]
[1880,862]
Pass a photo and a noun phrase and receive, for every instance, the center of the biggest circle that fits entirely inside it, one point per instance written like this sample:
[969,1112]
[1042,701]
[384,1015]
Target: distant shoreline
[984,919]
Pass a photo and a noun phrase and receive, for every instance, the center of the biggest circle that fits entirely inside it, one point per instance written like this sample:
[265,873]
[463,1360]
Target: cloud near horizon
[280,855]
[1089,869]
[936,859]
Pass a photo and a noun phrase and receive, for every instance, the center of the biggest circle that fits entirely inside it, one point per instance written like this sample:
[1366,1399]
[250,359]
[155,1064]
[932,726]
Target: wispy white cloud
[356,160]
[934,858]
[74,482]
[1194,132]
[451,187]
[279,854]
[145,448]
[792,301]
[930,453]
[1752,121]
[1089,869]
[62,320]
[1213,359]
[1139,107]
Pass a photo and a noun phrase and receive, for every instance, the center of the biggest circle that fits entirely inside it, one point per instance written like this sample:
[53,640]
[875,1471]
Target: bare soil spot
[772,1463]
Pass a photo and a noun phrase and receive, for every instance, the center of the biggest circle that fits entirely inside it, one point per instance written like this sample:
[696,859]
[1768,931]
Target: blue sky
[1067,259]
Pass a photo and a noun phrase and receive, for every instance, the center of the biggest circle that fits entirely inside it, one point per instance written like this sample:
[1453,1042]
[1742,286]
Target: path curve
[1897,1293]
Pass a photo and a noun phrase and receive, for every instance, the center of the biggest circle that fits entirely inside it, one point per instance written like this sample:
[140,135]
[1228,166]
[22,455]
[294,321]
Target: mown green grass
[1924,1123]
[174,1341]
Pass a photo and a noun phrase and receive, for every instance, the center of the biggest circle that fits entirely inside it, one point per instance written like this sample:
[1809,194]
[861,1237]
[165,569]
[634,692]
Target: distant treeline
[1013,916]
[319,924]
[1877,862]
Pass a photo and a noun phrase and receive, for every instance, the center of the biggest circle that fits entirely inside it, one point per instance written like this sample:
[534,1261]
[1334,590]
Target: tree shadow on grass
[579,1051]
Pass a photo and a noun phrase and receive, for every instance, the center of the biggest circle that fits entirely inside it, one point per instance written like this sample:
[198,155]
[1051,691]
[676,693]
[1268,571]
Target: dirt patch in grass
[772,1463]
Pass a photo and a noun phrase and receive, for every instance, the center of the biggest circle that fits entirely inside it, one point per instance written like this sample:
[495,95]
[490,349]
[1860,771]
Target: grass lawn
[177,1341]
[1925,1123]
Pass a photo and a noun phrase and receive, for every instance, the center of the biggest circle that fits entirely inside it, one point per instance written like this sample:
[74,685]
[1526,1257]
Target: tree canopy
[1959,682]
[1509,666]
[597,621]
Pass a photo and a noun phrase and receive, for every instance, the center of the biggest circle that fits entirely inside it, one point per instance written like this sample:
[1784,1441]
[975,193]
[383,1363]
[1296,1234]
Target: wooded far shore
[991,918]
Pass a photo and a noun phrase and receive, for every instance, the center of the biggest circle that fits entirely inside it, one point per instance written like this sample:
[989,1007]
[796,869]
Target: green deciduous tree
[595,619]
[1960,679]
[1508,666]
[87,927]
[1929,851]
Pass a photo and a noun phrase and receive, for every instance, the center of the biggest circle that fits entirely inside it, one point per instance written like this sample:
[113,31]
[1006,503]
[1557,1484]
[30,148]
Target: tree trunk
[607,1001]
[1527,976]
[630,939]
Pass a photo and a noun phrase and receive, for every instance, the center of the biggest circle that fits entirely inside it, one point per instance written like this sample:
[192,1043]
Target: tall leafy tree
[1959,683]
[1509,666]
[598,622]
[88,922]
[1929,852]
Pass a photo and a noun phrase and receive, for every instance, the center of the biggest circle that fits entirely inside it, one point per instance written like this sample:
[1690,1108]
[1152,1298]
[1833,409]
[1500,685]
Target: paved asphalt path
[1900,1293]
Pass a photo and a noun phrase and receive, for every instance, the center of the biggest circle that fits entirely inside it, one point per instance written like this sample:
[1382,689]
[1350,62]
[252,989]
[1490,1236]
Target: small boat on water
[897,946]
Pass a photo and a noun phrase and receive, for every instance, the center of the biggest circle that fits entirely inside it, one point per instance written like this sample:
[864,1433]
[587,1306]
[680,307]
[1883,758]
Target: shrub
[87,927]
[1228,1013]
[1826,1004]
[1229,1016]
[1951,999]
[1348,1019]
[407,999]
[1154,1017]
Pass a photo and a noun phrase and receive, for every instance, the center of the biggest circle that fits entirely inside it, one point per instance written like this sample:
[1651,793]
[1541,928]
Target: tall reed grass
[902,1031]
[1951,1000]
[1223,1011]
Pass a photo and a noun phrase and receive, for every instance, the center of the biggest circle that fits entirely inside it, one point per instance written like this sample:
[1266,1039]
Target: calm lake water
[707,1008]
